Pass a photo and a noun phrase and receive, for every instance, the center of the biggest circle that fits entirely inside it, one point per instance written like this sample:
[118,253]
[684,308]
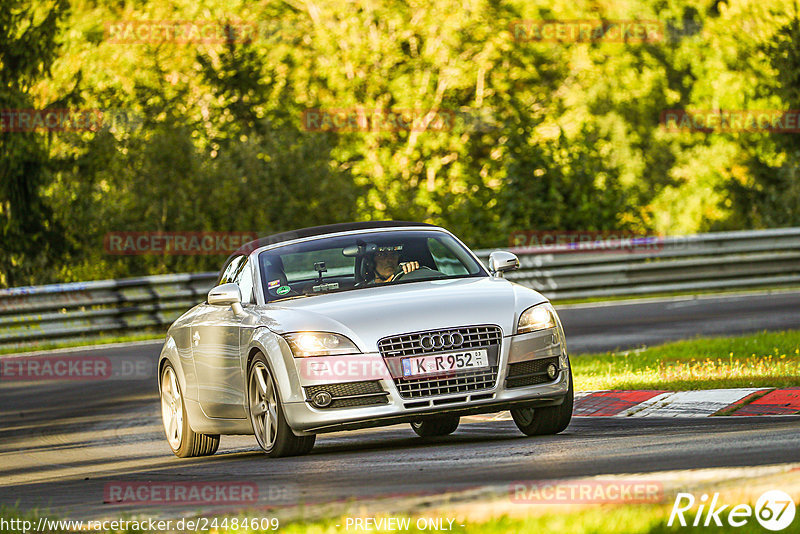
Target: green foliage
[544,135]
[769,196]
[29,236]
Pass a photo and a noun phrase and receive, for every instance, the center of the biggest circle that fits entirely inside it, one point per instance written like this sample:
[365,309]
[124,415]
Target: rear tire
[545,421]
[436,426]
[184,442]
[273,433]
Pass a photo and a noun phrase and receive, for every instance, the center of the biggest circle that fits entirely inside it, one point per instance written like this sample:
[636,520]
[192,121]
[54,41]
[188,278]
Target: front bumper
[548,344]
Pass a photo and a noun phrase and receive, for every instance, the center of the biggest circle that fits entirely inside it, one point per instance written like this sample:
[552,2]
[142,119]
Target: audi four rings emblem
[448,340]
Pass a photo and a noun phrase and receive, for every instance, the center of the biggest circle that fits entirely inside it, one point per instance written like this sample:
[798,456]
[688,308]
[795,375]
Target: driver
[387,264]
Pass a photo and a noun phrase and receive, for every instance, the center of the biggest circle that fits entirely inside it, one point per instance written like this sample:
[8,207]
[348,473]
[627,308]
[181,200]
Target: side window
[244,277]
[446,261]
[229,274]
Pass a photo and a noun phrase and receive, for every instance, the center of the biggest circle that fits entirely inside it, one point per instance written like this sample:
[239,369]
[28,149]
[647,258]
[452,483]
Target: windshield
[363,260]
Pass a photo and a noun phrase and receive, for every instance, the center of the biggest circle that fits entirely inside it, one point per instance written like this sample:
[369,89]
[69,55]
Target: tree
[31,238]
[768,195]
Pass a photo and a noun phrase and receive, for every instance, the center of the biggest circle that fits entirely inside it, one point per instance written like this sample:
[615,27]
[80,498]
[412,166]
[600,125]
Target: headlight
[537,317]
[304,344]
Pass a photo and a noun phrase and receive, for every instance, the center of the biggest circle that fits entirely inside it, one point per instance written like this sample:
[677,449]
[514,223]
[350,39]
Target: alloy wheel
[263,405]
[171,408]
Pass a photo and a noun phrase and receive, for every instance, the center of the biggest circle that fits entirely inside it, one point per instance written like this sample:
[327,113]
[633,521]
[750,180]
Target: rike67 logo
[774,510]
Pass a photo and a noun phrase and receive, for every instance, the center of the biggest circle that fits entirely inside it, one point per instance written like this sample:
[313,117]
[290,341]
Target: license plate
[443,363]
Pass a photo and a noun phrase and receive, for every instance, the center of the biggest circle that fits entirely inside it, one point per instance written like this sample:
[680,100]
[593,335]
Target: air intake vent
[350,394]
[530,373]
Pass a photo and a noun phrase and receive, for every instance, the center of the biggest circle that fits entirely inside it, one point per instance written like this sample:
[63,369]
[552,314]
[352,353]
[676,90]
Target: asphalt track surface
[630,324]
[61,443]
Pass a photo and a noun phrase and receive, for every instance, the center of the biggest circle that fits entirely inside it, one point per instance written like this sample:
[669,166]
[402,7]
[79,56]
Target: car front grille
[464,382]
[395,348]
[410,345]
[530,372]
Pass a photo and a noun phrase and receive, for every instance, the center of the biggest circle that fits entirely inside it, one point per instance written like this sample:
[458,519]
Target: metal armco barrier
[83,309]
[701,262]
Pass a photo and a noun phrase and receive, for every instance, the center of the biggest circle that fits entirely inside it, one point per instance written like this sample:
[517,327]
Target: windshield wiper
[288,298]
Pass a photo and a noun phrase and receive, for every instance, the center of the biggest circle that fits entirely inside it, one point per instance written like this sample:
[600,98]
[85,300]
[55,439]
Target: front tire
[436,426]
[184,442]
[272,432]
[545,421]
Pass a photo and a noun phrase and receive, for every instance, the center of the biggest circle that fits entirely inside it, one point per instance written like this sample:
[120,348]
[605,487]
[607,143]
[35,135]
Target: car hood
[369,314]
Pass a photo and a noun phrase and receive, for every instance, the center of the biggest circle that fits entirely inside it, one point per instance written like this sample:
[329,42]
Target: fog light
[552,371]
[321,399]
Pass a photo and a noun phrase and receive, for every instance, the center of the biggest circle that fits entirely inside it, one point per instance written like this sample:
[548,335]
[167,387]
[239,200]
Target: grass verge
[605,519]
[599,519]
[688,293]
[766,359]
[84,342]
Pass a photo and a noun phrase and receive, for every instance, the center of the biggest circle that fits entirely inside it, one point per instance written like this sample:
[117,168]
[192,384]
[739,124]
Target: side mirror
[501,261]
[225,295]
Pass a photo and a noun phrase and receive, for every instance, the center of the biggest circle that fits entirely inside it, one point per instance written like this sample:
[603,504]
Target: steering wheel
[400,273]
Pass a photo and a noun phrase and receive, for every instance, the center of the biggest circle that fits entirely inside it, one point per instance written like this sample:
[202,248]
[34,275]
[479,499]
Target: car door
[215,351]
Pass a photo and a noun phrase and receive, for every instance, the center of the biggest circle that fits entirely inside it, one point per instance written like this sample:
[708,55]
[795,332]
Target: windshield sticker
[283,290]
[273,284]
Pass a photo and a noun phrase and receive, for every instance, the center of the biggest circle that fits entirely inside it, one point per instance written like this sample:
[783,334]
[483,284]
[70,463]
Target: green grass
[146,335]
[759,360]
[597,519]
[601,519]
[670,294]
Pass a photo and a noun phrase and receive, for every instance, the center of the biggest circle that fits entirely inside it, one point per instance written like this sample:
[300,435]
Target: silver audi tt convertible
[359,325]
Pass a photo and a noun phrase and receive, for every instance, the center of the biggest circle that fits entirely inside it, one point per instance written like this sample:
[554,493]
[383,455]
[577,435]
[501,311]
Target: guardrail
[727,260]
[75,310]
[700,262]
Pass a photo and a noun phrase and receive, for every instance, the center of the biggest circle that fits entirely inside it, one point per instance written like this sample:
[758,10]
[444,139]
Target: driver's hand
[410,266]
